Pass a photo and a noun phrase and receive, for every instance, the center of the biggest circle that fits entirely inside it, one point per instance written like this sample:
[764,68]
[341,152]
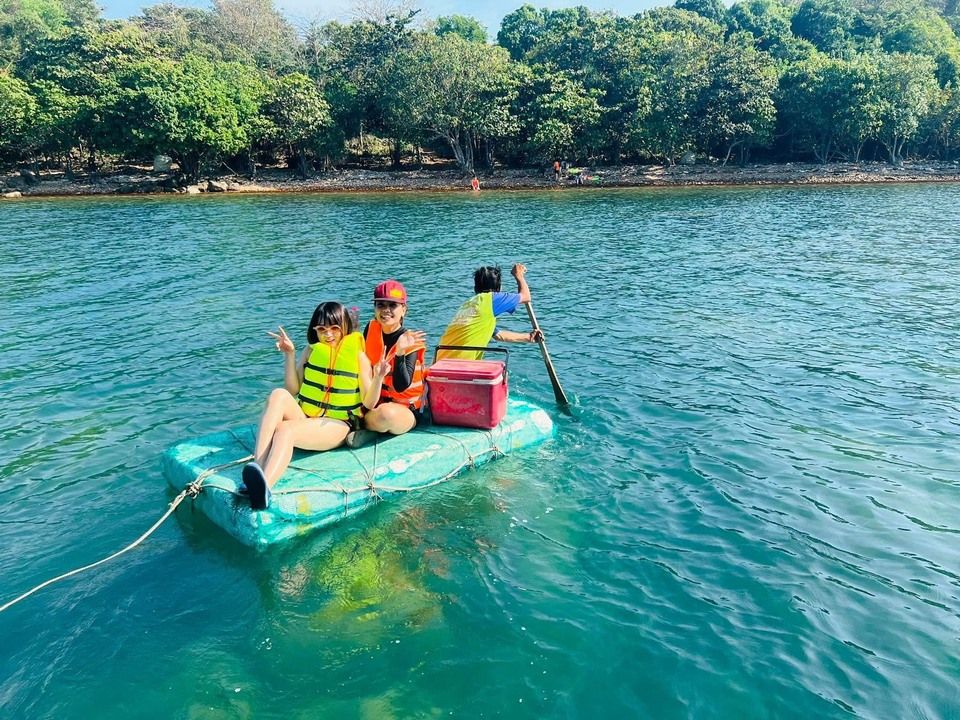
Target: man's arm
[519,271]
[511,336]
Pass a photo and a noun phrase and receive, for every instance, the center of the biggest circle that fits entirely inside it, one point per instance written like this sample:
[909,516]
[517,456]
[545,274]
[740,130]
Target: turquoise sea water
[752,514]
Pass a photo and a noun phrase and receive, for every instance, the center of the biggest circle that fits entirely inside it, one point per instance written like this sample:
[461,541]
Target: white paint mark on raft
[541,420]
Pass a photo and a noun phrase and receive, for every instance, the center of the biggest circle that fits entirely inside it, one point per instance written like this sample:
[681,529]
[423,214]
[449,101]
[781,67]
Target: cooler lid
[454,369]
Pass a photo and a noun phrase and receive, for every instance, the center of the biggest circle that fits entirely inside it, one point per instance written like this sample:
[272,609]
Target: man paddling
[475,322]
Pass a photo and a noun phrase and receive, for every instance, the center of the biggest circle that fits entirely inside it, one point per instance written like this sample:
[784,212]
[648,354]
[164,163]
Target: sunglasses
[384,304]
[324,329]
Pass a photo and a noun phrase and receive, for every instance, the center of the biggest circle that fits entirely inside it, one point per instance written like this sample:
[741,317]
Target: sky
[303,12]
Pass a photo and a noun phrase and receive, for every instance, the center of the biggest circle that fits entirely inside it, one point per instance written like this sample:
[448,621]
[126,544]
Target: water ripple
[750,515]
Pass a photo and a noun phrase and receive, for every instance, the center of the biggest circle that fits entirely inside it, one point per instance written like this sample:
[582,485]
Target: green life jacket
[331,380]
[473,325]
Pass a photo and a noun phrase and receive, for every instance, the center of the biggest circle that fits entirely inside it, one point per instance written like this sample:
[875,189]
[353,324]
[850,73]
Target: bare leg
[306,434]
[390,417]
[281,405]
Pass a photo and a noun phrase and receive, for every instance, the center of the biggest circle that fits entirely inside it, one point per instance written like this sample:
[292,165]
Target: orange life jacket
[413,395]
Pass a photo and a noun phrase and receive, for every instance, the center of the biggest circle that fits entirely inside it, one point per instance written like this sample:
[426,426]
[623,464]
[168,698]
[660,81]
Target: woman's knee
[278,398]
[391,417]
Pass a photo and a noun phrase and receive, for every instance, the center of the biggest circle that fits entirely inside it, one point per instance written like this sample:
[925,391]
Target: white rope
[192,490]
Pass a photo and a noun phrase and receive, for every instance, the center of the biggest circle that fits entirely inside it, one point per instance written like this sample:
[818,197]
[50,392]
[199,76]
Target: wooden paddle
[557,390]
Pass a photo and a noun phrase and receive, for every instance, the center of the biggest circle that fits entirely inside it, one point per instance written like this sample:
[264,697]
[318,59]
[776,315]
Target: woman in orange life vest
[321,401]
[386,339]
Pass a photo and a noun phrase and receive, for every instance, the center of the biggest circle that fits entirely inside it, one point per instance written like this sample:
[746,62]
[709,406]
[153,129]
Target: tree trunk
[395,154]
[458,154]
[302,163]
[468,150]
[730,151]
[893,149]
[822,153]
[190,166]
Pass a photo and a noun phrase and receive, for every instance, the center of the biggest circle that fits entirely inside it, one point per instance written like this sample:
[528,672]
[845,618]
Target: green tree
[922,31]
[24,22]
[299,118]
[710,9]
[558,116]
[943,127]
[769,22]
[197,111]
[908,92]
[828,24]
[359,66]
[466,27]
[460,92]
[17,110]
[831,105]
[676,49]
[75,79]
[738,109]
[521,30]
[180,31]
[255,29]
[567,40]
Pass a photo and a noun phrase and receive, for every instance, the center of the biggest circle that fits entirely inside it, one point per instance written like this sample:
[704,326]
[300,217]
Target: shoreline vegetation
[142,181]
[770,91]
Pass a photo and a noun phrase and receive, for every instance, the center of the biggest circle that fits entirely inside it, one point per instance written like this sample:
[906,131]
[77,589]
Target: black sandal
[256,483]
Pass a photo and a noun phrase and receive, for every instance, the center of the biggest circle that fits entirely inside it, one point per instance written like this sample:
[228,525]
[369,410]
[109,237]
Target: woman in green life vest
[323,397]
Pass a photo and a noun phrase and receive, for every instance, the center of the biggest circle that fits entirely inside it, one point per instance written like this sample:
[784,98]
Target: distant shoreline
[16,184]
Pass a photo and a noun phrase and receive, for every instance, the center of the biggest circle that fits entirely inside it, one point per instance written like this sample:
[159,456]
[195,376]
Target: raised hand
[411,341]
[519,270]
[284,344]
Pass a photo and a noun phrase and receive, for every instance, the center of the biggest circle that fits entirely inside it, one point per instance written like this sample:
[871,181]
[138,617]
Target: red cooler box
[468,393]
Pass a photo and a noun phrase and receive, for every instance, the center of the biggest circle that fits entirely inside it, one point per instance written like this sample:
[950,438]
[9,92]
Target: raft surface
[321,488]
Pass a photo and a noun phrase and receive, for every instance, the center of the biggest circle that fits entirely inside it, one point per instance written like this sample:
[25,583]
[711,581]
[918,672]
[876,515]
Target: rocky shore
[26,183]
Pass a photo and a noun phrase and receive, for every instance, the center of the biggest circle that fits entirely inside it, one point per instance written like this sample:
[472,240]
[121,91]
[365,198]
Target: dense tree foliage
[466,27]
[237,84]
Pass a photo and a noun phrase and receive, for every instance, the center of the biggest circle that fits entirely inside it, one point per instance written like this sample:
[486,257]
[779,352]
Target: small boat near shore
[319,489]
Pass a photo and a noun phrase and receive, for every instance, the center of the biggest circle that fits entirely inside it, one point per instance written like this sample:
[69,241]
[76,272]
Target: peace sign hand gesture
[381,369]
[284,343]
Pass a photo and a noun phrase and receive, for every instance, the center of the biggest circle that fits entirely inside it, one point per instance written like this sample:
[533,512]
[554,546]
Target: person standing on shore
[556,170]
[475,322]
[385,339]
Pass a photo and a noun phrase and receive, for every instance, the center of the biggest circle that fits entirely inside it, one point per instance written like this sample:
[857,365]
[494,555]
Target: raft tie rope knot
[194,488]
[373,491]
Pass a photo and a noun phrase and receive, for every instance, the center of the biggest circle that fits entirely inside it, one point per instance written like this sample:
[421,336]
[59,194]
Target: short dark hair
[329,313]
[487,279]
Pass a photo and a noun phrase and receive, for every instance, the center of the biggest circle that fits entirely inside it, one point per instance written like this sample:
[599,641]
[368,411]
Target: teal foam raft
[321,488]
